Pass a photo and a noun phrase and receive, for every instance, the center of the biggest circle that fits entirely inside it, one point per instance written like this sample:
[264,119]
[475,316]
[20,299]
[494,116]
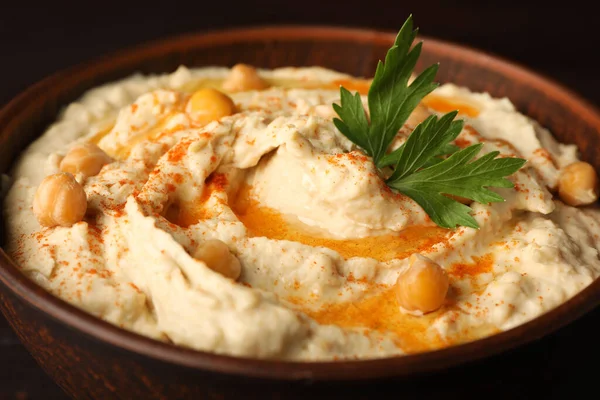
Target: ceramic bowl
[90,358]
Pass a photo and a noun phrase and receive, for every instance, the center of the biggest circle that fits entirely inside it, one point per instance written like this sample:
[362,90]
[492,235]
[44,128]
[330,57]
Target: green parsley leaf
[459,177]
[429,139]
[354,122]
[447,150]
[427,167]
[391,100]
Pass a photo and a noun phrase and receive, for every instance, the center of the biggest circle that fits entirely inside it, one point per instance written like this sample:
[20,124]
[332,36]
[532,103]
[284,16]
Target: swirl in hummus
[309,240]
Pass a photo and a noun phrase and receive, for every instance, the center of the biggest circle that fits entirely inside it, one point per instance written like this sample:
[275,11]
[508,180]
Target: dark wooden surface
[560,41]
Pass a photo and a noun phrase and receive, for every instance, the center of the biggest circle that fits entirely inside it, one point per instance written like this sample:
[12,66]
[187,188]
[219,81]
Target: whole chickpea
[578,184]
[209,105]
[59,201]
[423,286]
[217,257]
[243,77]
[87,159]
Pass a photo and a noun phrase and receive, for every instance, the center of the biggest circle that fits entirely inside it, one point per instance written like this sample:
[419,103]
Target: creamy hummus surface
[317,237]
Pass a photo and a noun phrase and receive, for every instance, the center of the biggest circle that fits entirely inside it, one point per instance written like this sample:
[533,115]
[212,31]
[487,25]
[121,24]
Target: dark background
[558,39]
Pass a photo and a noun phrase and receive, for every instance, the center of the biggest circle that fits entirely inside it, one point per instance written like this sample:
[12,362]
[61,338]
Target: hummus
[319,237]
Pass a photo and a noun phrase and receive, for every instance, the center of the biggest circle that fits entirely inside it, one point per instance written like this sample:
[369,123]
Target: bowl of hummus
[274,204]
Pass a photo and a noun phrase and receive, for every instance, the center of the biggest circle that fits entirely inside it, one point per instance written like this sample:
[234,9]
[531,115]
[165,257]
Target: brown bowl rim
[400,366]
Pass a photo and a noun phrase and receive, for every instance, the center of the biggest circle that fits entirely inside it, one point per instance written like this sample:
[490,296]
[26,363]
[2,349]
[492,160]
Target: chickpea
[59,201]
[243,77]
[209,105]
[423,286]
[578,184]
[420,114]
[87,159]
[217,257]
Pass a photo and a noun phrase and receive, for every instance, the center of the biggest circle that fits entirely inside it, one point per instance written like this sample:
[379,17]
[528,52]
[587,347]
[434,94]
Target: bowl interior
[353,51]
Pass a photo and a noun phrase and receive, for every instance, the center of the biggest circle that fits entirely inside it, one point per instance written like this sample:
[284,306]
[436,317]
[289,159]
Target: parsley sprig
[427,167]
